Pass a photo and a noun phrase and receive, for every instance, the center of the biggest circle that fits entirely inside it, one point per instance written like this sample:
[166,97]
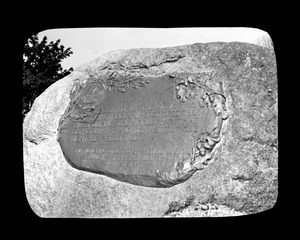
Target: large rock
[240,179]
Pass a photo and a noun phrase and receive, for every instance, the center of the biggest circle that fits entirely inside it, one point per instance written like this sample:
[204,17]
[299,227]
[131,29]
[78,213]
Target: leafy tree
[41,67]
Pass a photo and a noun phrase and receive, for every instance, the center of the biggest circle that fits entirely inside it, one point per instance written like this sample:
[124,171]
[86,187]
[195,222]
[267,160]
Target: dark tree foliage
[41,68]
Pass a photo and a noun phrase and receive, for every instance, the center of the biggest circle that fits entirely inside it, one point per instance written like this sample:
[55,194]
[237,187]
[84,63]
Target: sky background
[89,43]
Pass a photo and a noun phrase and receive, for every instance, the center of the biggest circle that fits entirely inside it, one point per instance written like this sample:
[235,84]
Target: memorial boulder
[135,130]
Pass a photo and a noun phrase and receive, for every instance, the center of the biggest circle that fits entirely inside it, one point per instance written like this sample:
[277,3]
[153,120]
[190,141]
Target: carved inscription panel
[137,133]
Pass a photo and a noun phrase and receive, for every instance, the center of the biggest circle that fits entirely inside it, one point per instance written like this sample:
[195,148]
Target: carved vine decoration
[202,150]
[84,107]
[120,80]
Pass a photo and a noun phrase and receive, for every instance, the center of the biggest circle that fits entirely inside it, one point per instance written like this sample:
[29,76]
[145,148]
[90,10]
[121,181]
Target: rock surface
[241,179]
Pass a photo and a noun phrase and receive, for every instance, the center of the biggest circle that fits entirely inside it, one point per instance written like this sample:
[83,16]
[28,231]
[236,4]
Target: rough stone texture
[241,179]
